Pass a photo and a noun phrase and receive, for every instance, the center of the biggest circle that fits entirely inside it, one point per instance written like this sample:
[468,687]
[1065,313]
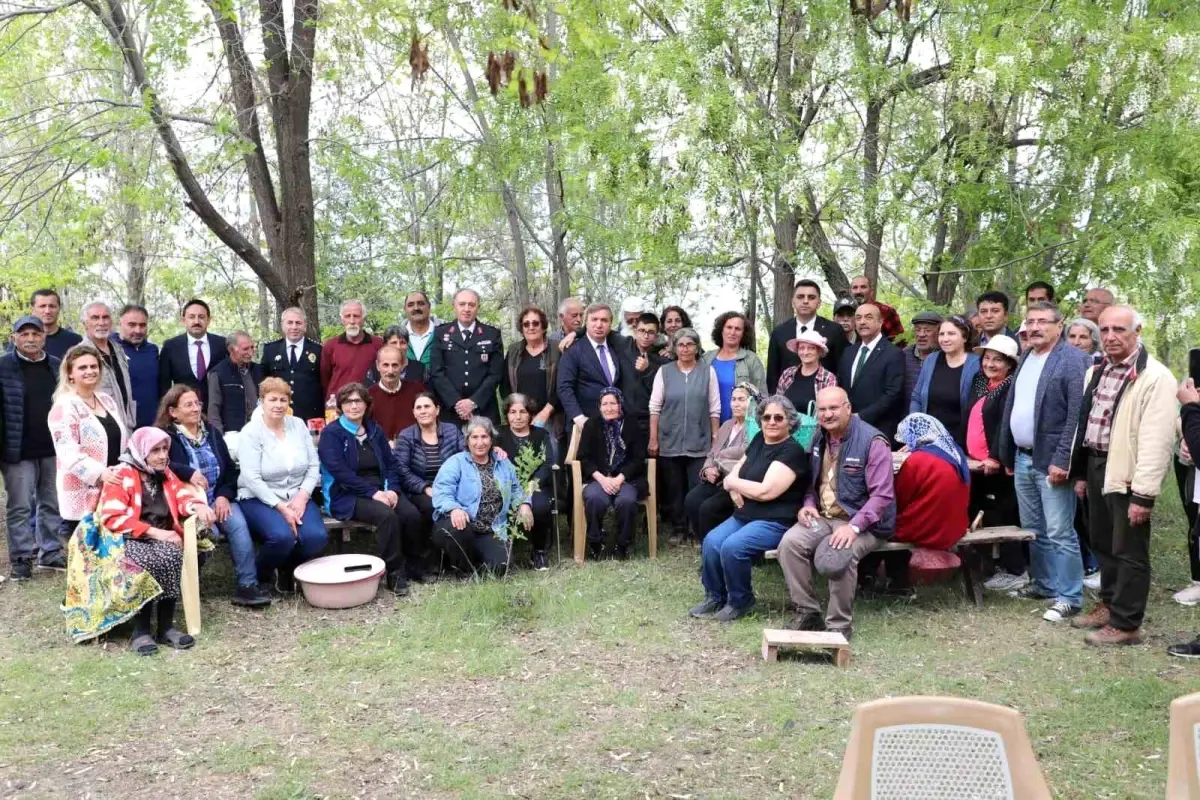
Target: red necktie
[201,367]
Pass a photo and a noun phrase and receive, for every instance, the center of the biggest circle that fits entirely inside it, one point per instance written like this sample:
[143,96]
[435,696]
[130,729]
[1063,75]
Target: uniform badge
[483,357]
[278,358]
[312,358]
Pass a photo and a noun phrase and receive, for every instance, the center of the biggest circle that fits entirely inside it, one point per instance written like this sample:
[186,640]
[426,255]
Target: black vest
[233,393]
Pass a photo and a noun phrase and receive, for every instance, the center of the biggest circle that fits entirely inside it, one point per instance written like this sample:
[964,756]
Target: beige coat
[1143,436]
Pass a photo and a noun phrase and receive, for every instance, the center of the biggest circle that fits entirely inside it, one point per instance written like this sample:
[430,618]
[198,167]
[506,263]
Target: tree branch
[30,11]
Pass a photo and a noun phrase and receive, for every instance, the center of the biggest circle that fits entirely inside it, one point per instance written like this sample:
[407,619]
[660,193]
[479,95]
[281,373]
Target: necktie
[201,367]
[863,352]
[604,364]
[804,329]
[293,355]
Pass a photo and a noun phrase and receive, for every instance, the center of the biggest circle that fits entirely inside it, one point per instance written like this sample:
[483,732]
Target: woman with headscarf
[932,486]
[685,412]
[148,506]
[708,505]
[614,472]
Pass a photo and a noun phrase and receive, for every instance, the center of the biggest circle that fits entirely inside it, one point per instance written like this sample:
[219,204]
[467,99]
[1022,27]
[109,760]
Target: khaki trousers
[796,557]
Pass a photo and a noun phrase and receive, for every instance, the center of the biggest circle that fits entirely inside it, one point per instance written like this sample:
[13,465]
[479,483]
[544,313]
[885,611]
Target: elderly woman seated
[473,495]
[362,483]
[932,486]
[520,435]
[147,505]
[708,505]
[613,465]
[768,487]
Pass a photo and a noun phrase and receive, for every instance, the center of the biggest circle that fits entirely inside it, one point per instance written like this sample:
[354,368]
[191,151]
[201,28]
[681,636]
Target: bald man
[1123,449]
[849,511]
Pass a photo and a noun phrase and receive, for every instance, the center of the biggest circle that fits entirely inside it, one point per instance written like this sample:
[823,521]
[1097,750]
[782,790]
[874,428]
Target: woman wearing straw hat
[801,383]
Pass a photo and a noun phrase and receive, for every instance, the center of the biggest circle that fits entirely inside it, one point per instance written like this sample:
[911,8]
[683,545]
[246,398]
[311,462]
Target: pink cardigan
[81,449]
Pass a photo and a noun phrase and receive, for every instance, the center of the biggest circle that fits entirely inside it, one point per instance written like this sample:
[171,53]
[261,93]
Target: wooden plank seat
[774,638]
[346,528]
[968,552]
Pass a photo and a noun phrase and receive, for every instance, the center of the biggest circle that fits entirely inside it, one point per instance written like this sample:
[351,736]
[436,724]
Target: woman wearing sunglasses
[768,487]
[531,369]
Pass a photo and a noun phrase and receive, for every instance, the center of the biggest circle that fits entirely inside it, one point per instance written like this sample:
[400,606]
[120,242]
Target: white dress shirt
[203,340]
[870,348]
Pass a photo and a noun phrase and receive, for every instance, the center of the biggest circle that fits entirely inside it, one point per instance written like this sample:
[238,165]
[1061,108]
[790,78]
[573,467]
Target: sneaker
[810,621]
[847,632]
[1092,581]
[56,561]
[1095,619]
[539,561]
[705,610]
[1060,612]
[1108,636]
[1006,582]
[397,583]
[1189,650]
[22,570]
[1189,596]
[251,596]
[1029,592]
[729,613]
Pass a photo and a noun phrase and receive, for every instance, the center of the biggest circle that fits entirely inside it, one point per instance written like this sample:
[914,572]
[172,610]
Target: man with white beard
[345,358]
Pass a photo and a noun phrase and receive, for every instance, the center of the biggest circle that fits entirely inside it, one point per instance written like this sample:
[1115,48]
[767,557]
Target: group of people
[796,455]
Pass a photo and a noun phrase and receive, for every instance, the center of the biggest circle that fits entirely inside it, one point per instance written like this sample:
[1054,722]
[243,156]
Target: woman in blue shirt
[735,361]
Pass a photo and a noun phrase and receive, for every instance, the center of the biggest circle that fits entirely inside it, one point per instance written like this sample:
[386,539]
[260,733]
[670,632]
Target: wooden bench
[967,549]
[774,638]
[346,528]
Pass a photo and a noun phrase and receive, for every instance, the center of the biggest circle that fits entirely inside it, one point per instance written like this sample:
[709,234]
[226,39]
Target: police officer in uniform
[467,363]
[297,360]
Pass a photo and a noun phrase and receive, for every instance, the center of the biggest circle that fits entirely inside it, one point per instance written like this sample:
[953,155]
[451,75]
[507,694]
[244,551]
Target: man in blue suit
[598,360]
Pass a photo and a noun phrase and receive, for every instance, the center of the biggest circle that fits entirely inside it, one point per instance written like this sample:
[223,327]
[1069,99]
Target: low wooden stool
[773,639]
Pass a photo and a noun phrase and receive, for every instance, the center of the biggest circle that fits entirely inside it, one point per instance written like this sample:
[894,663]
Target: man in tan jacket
[1123,450]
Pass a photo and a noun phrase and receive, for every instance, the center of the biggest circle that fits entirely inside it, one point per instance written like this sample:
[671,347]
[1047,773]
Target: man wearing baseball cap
[843,314]
[925,331]
[28,377]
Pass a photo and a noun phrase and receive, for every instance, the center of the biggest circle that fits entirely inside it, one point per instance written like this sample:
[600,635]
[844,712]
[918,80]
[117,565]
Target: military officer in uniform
[467,363]
[297,360]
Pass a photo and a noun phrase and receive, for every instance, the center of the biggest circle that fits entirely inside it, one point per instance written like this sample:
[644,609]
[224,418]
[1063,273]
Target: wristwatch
[857,530]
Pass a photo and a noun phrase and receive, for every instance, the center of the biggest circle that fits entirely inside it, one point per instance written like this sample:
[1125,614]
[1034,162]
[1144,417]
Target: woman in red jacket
[147,505]
[933,486]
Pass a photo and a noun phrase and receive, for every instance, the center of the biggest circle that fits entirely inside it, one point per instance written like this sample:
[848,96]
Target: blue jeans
[726,555]
[32,504]
[278,545]
[236,532]
[1049,511]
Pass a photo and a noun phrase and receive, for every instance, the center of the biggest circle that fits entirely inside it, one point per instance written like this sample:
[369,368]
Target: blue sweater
[410,452]
[920,397]
[143,374]
[338,450]
[458,486]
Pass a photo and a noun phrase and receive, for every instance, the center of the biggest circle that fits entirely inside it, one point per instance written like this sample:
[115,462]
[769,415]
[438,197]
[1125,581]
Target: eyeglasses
[774,418]
[356,401]
[531,323]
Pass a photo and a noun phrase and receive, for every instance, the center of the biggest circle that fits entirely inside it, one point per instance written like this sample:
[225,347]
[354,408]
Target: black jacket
[308,401]
[993,412]
[593,454]
[12,393]
[877,395]
[181,464]
[467,370]
[780,358]
[538,438]
[639,385]
[175,363]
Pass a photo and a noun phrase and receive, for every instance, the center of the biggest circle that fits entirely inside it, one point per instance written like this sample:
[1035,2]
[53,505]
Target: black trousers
[679,475]
[469,551]
[540,503]
[396,529]
[1122,549]
[706,507]
[1184,482]
[996,496]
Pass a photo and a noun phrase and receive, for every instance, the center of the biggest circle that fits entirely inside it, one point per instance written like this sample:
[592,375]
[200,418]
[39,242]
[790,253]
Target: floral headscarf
[925,434]
[140,444]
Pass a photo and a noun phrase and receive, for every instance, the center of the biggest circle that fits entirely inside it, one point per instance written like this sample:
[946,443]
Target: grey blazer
[1056,404]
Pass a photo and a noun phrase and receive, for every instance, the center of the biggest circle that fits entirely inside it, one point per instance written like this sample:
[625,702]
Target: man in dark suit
[187,358]
[872,373]
[467,363]
[598,360]
[806,299]
[297,360]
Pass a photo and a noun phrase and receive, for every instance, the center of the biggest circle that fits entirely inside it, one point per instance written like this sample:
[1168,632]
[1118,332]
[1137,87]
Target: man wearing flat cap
[849,511]
[925,333]
[28,376]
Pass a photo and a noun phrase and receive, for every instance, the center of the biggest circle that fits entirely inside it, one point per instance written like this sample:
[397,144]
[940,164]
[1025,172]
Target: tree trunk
[783,268]
[555,190]
[871,191]
[752,274]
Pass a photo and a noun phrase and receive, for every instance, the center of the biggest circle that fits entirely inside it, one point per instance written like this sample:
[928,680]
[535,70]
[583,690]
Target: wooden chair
[939,748]
[579,518]
[1183,774]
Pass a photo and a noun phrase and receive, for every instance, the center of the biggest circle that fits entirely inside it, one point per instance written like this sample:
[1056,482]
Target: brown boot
[1110,636]
[1096,618]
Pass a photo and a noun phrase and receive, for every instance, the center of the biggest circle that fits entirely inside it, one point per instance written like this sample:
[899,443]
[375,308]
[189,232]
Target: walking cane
[555,469]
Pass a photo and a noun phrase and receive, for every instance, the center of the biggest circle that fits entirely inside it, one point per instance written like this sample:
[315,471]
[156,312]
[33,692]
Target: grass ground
[580,682]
